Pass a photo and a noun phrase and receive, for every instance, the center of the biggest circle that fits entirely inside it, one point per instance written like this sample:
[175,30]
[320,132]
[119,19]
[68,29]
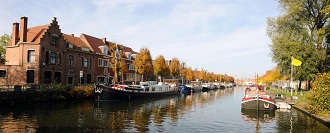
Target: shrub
[319,96]
[81,92]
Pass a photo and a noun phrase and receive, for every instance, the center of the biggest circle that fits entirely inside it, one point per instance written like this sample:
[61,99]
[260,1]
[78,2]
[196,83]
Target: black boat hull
[106,93]
[258,105]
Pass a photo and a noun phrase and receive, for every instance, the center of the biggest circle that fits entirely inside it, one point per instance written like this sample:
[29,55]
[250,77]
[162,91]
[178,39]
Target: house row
[45,55]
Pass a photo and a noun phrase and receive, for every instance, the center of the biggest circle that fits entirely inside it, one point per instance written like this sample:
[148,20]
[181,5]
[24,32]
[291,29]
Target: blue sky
[220,36]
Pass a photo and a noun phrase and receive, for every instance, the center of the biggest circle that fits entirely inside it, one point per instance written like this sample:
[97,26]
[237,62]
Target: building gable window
[52,58]
[54,39]
[31,56]
[71,59]
[3,73]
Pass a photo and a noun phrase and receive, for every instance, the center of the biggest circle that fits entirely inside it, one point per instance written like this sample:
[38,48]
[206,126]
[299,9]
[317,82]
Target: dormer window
[104,49]
[70,45]
[129,55]
[84,49]
[134,56]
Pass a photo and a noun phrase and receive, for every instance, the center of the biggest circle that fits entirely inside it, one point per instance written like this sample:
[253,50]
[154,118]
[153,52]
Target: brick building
[45,55]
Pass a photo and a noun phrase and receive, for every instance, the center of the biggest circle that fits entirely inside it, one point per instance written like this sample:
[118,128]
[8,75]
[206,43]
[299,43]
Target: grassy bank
[302,104]
[53,93]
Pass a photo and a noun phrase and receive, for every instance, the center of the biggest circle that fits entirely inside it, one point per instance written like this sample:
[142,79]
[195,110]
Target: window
[82,79]
[100,62]
[129,55]
[47,57]
[71,72]
[58,58]
[70,45]
[89,78]
[71,58]
[84,49]
[86,62]
[47,76]
[105,63]
[30,76]
[31,56]
[81,61]
[100,79]
[54,39]
[70,80]
[57,77]
[52,58]
[105,50]
[3,73]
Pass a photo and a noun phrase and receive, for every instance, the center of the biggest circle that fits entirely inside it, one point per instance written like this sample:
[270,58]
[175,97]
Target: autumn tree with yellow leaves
[271,76]
[160,67]
[143,62]
[175,67]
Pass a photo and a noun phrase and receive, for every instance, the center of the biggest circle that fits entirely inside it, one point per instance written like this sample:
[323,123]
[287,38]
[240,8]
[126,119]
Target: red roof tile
[94,42]
[75,41]
[34,34]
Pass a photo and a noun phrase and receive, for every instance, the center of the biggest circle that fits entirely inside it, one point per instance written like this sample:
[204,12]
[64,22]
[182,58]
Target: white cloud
[204,34]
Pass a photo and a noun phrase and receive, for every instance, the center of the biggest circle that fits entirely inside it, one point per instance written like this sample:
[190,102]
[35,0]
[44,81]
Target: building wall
[17,65]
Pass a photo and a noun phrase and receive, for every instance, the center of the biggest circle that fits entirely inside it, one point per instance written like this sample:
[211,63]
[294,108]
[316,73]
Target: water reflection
[212,111]
[257,117]
[137,116]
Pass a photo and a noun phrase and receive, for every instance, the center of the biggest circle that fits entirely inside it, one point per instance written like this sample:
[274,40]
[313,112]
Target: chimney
[23,29]
[72,34]
[104,40]
[15,33]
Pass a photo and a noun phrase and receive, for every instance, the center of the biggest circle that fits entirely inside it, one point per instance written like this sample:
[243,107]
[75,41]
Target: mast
[257,93]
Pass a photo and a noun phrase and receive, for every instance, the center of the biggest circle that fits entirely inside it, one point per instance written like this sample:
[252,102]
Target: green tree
[174,67]
[4,40]
[294,33]
[160,67]
[143,62]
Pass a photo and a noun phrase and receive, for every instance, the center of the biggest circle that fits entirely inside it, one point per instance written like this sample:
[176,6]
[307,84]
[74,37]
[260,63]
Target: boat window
[146,89]
[153,88]
[160,88]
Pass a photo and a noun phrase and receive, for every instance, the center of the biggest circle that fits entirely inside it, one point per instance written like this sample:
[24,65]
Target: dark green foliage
[55,92]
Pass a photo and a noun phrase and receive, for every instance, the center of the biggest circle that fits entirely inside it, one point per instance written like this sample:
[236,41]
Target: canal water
[213,111]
